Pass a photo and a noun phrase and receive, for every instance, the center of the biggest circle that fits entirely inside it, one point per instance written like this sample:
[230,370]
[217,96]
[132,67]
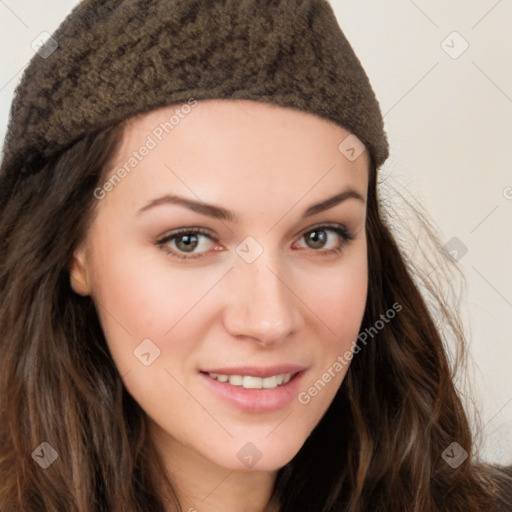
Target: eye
[317,238]
[185,241]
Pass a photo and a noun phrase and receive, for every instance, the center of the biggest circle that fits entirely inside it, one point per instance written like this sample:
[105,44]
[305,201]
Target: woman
[203,307]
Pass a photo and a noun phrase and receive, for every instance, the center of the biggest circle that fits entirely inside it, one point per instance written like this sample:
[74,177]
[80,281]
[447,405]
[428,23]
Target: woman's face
[271,286]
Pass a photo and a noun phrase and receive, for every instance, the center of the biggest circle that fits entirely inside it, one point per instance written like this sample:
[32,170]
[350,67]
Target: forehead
[230,150]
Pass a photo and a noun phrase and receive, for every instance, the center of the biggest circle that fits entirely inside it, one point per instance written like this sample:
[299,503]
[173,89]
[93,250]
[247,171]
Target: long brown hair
[379,446]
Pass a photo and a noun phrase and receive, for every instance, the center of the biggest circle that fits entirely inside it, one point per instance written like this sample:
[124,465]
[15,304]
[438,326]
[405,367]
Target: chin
[259,455]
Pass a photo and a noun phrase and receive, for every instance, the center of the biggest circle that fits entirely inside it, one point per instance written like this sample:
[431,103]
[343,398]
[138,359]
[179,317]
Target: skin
[293,304]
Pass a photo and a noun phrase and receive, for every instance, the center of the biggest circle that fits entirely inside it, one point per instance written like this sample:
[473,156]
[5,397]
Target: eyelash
[345,234]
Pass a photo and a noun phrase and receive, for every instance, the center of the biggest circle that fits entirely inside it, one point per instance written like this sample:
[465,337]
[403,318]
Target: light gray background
[448,118]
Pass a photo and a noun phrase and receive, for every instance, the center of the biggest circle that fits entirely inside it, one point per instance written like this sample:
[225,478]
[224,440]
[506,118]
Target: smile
[274,390]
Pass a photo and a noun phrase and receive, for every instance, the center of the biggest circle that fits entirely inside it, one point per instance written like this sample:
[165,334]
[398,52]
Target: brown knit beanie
[112,59]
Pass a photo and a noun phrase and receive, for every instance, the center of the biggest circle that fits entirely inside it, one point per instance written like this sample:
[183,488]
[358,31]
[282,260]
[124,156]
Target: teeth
[270,382]
[250,382]
[236,380]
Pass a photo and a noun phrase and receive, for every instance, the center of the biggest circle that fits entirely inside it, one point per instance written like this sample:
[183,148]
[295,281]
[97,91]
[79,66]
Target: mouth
[255,390]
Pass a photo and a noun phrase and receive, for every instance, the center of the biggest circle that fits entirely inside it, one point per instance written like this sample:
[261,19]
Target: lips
[255,389]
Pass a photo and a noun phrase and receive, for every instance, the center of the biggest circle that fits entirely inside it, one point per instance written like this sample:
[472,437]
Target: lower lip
[256,400]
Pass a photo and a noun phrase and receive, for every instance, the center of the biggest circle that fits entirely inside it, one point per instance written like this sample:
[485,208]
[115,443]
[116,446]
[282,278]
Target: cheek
[135,288]
[139,301]
[342,300]
[339,300]
[346,302]
[132,301]
[140,297]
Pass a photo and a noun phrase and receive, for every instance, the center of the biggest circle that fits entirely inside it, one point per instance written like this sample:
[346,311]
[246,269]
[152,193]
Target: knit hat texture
[117,58]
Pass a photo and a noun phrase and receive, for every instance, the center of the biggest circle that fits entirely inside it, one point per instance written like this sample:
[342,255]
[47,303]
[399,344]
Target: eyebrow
[217,212]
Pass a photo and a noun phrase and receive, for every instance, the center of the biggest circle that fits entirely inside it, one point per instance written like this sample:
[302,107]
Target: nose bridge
[262,305]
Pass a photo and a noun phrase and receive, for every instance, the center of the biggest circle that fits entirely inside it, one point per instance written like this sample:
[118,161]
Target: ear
[78,271]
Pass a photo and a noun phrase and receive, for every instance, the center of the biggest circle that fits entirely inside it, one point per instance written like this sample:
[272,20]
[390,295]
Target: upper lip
[257,371]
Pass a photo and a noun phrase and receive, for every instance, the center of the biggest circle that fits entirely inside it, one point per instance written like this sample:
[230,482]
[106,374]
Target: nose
[262,303]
